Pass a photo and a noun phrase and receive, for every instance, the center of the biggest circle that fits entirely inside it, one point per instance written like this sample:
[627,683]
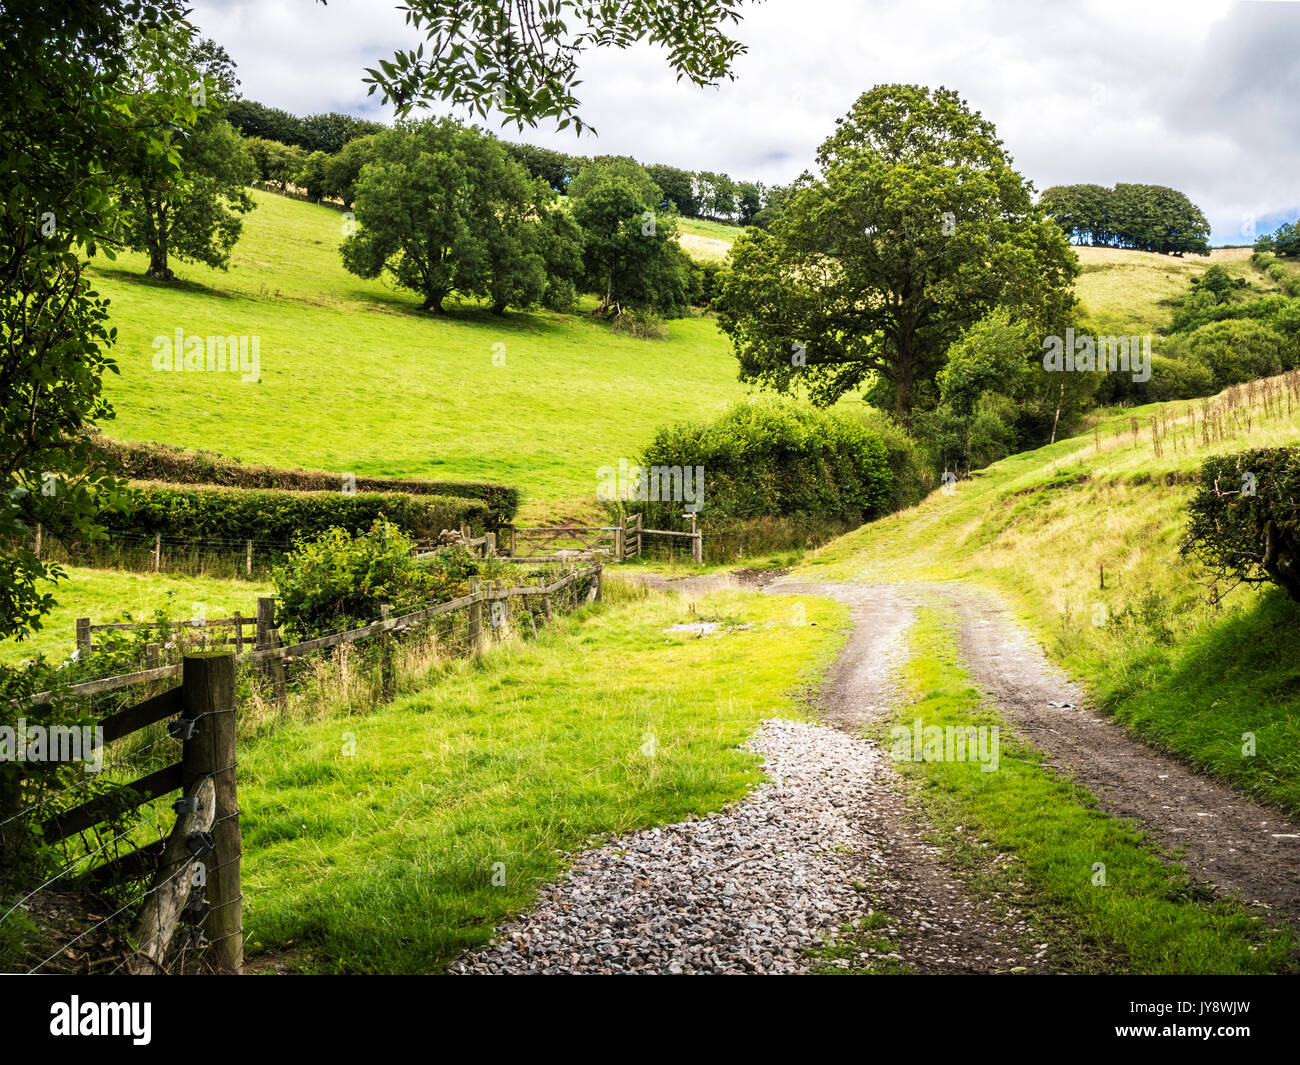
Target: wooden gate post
[476,615]
[208,699]
[513,550]
[151,660]
[265,640]
[619,543]
[83,635]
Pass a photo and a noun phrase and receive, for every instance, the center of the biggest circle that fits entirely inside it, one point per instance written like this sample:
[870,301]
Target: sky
[1200,95]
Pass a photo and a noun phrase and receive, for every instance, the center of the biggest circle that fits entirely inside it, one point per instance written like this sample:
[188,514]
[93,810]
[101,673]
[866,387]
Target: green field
[105,595]
[356,378]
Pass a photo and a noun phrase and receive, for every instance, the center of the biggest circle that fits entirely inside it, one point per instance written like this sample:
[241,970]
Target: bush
[208,513]
[914,478]
[1174,378]
[161,462]
[1237,351]
[1245,519]
[339,581]
[774,457]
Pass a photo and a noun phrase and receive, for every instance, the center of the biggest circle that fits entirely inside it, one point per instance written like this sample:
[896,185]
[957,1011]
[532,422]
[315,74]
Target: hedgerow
[212,513]
[773,457]
[1245,519]
[161,462]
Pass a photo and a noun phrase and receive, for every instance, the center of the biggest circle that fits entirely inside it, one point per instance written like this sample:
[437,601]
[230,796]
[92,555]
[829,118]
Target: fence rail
[195,871]
[267,637]
[202,715]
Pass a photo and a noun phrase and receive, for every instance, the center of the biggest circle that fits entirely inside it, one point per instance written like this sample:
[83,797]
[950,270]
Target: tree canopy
[191,211]
[65,126]
[520,57]
[442,208]
[916,227]
[1143,217]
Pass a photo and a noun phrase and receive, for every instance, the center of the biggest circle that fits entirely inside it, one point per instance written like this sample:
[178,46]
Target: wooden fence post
[151,660]
[546,600]
[600,567]
[619,543]
[476,615]
[83,635]
[157,551]
[386,679]
[208,697]
[490,544]
[36,547]
[266,638]
[248,559]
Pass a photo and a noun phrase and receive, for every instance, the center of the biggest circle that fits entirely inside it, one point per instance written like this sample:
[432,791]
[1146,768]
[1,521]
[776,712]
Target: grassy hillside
[1042,526]
[355,378]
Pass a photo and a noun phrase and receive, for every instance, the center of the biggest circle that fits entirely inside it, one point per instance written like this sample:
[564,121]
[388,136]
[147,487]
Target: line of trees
[291,149]
[1142,217]
[1284,242]
[442,208]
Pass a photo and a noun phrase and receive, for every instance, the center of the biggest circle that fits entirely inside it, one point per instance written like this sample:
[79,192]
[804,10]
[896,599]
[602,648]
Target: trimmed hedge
[1245,518]
[215,513]
[776,457]
[173,465]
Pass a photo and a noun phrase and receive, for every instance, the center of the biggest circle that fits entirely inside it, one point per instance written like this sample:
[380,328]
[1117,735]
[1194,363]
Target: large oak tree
[914,229]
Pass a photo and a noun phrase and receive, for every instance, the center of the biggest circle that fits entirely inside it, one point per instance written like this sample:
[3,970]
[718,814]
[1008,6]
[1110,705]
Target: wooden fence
[194,872]
[268,647]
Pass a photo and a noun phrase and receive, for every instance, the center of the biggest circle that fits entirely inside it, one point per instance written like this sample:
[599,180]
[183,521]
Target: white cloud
[1197,95]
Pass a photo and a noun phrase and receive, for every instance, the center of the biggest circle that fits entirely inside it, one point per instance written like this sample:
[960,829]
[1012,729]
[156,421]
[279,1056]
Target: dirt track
[1228,843]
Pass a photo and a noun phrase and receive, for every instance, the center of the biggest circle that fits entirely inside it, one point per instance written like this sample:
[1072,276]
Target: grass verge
[1115,897]
[460,801]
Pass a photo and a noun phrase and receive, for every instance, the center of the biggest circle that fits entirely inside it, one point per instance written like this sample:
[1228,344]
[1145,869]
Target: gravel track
[754,888]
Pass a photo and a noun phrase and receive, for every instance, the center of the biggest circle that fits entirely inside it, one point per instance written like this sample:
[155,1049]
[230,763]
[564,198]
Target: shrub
[209,513]
[1245,519]
[1237,351]
[338,580]
[1174,378]
[776,457]
[914,478]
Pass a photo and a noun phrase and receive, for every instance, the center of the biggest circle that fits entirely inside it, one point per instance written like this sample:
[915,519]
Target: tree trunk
[433,302]
[158,269]
[903,390]
[1060,400]
[157,236]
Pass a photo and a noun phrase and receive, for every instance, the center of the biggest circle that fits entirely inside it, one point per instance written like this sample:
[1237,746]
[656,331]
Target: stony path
[755,887]
[831,837]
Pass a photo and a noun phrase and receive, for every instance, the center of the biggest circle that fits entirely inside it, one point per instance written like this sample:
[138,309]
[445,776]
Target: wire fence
[70,921]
